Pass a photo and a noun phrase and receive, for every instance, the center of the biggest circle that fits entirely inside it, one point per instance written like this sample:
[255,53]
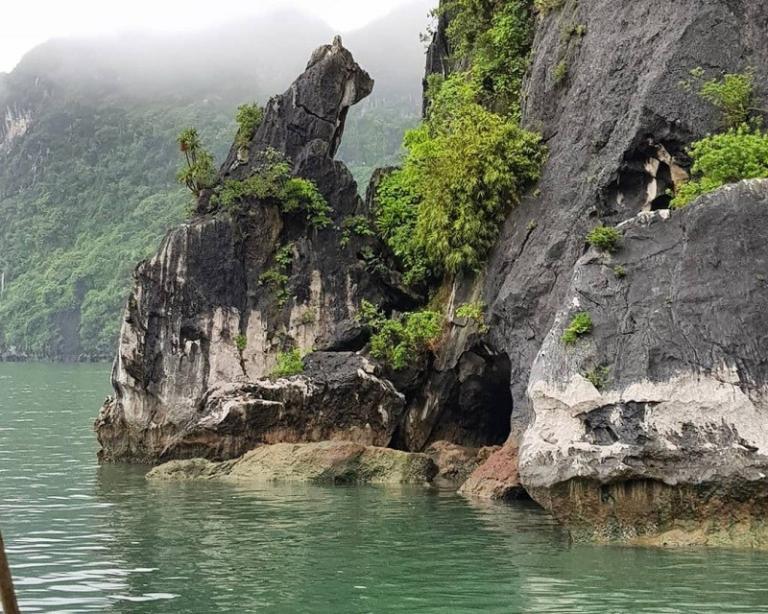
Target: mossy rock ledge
[326,462]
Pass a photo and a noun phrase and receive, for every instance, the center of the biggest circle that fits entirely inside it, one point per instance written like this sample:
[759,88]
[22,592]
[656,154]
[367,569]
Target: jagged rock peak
[314,108]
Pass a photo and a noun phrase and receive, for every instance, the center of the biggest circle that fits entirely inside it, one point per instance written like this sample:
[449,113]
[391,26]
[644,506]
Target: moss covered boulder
[334,462]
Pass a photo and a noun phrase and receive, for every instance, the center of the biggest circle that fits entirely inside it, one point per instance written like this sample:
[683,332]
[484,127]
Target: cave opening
[647,179]
[479,410]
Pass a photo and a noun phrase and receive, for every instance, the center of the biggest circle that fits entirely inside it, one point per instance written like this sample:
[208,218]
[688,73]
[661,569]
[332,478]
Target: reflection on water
[88,539]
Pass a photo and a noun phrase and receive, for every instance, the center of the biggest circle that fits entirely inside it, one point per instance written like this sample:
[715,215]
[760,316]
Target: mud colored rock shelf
[336,462]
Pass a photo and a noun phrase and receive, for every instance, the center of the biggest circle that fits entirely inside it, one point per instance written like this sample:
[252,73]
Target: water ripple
[88,539]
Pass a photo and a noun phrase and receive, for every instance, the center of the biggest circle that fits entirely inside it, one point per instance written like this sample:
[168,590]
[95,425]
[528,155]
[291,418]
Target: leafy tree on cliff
[200,172]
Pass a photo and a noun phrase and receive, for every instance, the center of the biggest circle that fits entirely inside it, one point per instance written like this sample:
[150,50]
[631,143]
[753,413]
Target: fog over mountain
[257,57]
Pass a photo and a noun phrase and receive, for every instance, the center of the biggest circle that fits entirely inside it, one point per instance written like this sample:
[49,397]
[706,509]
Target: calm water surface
[85,539]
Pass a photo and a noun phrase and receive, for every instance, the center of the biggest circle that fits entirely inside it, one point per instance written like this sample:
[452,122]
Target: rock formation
[617,127]
[324,462]
[338,397]
[497,478]
[673,431]
[654,421]
[204,288]
[455,463]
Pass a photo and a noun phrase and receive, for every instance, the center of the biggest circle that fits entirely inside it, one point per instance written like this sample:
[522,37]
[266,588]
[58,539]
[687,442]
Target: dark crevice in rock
[617,423]
[649,173]
[470,404]
[336,139]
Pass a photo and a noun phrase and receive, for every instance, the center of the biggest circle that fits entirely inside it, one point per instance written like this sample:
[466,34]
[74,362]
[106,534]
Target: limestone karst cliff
[657,419]
[653,421]
[205,288]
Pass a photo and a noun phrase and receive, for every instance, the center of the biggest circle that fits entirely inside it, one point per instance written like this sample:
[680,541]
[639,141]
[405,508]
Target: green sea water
[87,539]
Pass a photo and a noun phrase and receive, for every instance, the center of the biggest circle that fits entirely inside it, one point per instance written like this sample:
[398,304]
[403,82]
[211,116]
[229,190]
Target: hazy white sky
[26,23]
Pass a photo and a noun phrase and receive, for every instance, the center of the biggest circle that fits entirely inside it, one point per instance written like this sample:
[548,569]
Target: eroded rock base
[497,478]
[651,513]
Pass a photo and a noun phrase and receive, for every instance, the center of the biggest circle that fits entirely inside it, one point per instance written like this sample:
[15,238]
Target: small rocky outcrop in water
[672,434]
[455,463]
[497,478]
[332,462]
[338,397]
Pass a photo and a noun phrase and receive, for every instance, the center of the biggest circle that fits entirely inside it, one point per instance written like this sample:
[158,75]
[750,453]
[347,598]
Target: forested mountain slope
[88,154]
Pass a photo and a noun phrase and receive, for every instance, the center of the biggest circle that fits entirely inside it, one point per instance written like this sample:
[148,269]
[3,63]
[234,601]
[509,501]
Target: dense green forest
[90,188]
[103,194]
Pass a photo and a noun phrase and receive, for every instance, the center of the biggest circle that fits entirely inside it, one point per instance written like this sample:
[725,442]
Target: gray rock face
[678,431]
[313,109]
[438,53]
[465,396]
[338,397]
[203,289]
[616,127]
[497,478]
[609,126]
[19,102]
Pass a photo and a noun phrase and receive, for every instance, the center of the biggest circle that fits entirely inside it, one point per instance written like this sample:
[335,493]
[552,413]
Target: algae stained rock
[332,462]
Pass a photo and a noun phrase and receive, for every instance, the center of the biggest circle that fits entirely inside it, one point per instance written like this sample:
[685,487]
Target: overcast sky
[26,23]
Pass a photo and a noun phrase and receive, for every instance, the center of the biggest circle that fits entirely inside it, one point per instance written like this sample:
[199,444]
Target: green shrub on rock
[401,341]
[249,117]
[733,95]
[604,238]
[288,364]
[276,278]
[580,325]
[545,6]
[358,225]
[598,376]
[465,169]
[470,161]
[241,342]
[199,171]
[720,159]
[495,38]
[271,182]
[473,312]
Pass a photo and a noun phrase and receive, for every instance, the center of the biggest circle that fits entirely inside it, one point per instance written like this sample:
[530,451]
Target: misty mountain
[88,154]
[248,59]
